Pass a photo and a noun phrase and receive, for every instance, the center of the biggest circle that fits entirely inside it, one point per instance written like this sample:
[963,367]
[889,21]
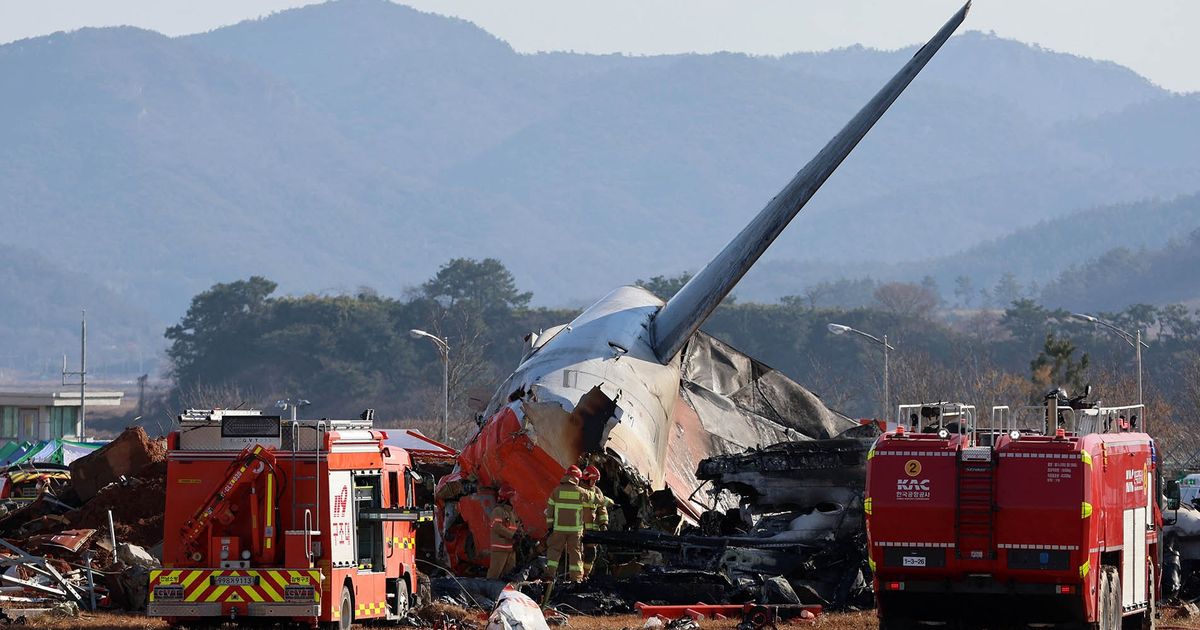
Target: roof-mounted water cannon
[294,404]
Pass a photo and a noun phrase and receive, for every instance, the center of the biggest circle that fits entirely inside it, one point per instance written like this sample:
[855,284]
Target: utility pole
[141,381]
[82,374]
[887,398]
[1138,344]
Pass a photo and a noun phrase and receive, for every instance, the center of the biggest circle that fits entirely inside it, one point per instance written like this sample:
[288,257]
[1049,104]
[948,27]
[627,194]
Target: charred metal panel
[793,475]
[717,374]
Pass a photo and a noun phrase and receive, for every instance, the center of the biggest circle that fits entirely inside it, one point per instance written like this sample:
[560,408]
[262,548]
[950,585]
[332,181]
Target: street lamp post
[839,329]
[1133,339]
[443,346]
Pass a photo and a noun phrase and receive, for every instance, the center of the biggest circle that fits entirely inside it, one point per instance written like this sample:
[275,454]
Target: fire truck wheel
[1102,602]
[1110,619]
[346,605]
[403,601]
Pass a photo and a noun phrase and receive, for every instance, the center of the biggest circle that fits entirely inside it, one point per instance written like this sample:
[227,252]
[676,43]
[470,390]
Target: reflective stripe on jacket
[589,506]
[596,510]
[504,527]
[563,509]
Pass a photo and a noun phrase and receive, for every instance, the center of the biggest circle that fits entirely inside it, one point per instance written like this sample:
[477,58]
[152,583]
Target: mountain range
[360,142]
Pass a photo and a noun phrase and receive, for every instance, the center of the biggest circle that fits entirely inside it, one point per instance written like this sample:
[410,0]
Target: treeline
[239,343]
[1159,276]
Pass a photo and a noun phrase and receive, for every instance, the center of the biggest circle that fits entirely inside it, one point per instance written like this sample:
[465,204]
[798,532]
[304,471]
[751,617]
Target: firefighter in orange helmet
[504,530]
[595,513]
[564,520]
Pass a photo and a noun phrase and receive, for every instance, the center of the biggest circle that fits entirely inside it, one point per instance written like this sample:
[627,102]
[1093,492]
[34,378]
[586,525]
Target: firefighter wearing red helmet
[595,513]
[505,525]
[564,520]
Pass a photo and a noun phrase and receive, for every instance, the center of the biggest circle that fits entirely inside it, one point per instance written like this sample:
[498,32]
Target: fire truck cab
[1047,516]
[308,520]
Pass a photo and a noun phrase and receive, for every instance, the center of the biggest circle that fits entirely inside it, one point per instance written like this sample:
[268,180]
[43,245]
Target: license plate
[234,580]
[168,592]
[298,593]
[914,561]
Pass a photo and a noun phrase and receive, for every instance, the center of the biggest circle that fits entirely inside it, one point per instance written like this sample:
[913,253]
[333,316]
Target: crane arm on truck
[250,463]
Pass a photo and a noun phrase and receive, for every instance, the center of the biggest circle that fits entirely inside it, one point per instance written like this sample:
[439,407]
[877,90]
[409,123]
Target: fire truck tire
[1110,600]
[346,606]
[403,599]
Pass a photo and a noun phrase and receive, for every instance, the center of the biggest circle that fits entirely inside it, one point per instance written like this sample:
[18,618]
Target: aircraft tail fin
[687,310]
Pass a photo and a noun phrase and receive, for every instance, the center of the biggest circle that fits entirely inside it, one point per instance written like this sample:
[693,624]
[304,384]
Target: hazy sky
[1154,37]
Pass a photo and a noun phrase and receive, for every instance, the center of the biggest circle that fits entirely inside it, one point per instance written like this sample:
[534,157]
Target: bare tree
[973,380]
[835,392]
[469,371]
[1177,432]
[906,298]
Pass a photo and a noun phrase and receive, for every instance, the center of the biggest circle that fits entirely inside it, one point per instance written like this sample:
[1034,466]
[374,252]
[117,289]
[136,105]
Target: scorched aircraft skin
[633,386]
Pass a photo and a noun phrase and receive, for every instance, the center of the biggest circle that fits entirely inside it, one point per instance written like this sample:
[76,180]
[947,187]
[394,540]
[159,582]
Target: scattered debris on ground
[57,550]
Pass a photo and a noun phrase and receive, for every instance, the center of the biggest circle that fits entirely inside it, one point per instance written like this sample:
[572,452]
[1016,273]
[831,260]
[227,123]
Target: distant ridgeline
[362,143]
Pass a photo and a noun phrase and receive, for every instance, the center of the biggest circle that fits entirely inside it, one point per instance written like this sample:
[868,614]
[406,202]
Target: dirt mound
[137,506]
[127,456]
[136,492]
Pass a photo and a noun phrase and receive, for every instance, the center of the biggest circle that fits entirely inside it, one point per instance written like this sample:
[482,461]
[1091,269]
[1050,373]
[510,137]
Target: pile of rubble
[786,528]
[58,550]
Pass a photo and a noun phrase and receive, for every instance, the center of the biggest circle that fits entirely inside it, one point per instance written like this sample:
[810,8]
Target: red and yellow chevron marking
[270,585]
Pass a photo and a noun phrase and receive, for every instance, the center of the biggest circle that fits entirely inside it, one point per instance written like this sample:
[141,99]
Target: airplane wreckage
[633,387]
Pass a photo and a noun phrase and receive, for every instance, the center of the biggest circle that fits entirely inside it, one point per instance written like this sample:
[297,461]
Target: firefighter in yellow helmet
[564,520]
[595,513]
[504,530]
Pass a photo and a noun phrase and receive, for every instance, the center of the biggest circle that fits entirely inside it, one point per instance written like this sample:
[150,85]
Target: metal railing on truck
[1032,420]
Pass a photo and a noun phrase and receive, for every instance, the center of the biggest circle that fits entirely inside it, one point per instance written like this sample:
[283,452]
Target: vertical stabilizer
[687,310]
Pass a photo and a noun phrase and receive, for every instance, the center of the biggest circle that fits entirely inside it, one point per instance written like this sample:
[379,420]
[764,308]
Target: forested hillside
[1031,256]
[240,344]
[360,143]
[1155,276]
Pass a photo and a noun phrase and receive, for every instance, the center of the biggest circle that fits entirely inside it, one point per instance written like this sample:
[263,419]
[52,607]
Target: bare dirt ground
[835,621]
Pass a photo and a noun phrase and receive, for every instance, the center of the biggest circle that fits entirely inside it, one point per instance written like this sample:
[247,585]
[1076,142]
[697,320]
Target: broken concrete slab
[136,556]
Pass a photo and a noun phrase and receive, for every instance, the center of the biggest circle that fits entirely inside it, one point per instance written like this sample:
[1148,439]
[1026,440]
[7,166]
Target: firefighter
[595,513]
[504,530]
[564,520]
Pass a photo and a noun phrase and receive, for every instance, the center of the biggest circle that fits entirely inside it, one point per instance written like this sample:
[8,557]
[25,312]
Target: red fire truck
[312,521]
[1049,515]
